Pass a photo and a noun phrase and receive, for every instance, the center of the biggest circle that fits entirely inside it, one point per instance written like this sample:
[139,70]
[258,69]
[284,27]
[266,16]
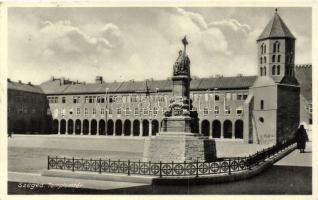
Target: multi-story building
[251,109]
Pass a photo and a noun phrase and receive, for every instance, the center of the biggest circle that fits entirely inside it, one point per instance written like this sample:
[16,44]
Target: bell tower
[276,50]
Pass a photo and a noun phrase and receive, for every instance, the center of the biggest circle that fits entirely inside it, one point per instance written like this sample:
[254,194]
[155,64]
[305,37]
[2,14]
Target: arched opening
[264,59]
[145,128]
[239,129]
[216,129]
[227,127]
[119,127]
[127,127]
[205,127]
[110,127]
[273,58]
[278,58]
[274,70]
[278,70]
[264,71]
[93,127]
[101,129]
[85,127]
[136,128]
[155,127]
[55,126]
[262,104]
[78,127]
[261,60]
[70,125]
[63,126]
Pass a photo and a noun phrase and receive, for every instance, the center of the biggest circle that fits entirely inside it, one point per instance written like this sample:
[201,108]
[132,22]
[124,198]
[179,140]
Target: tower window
[261,60]
[274,70]
[261,71]
[264,59]
[276,46]
[278,70]
[264,71]
[262,104]
[278,58]
[273,58]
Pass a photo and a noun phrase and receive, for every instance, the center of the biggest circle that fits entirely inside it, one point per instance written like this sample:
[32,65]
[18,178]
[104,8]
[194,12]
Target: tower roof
[276,28]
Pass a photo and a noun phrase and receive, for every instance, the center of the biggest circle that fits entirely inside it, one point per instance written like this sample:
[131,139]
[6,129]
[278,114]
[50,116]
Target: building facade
[250,109]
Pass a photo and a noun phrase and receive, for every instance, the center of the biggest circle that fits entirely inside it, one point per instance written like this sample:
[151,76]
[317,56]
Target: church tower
[276,50]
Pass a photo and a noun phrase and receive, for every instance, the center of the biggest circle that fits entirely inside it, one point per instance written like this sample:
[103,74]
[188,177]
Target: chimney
[29,83]
[99,79]
[62,80]
[9,80]
[20,81]
[52,78]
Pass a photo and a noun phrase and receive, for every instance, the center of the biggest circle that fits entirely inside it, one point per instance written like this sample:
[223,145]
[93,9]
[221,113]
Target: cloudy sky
[140,43]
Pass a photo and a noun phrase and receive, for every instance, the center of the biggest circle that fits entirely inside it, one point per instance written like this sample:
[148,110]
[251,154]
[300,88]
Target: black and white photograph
[158,100]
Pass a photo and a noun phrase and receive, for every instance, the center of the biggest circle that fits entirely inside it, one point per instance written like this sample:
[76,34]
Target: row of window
[161,99]
[144,111]
[276,47]
[27,98]
[275,70]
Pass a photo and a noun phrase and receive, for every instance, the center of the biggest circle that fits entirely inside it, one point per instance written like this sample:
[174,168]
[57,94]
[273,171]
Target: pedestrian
[301,138]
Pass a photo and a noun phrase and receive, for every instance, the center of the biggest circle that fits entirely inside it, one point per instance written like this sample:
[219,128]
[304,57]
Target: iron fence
[197,168]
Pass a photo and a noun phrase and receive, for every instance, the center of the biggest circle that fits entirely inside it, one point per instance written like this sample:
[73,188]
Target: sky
[122,44]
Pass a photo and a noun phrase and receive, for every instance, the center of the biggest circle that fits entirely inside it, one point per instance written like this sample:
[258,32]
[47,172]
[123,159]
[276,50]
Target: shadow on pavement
[275,180]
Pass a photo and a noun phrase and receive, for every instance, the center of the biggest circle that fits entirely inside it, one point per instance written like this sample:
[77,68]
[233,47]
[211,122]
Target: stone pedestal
[179,147]
[177,124]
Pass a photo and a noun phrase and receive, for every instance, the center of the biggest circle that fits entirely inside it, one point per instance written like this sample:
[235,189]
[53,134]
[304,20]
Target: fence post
[160,167]
[229,166]
[109,165]
[48,162]
[100,165]
[73,164]
[172,168]
[128,168]
[197,173]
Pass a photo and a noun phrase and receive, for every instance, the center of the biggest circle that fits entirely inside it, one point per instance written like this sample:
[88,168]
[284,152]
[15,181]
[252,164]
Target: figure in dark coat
[301,138]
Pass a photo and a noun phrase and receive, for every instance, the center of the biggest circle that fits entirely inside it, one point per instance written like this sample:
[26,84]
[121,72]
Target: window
[227,110]
[278,70]
[136,111]
[146,111]
[264,59]
[133,99]
[127,111]
[155,111]
[310,108]
[76,99]
[273,58]
[85,111]
[102,111]
[78,111]
[261,70]
[274,70]
[264,71]
[261,60]
[63,100]
[94,111]
[86,99]
[278,58]
[262,104]
[216,110]
[245,96]
[110,111]
[239,111]
[118,111]
[239,96]
[63,112]
[276,47]
[216,97]
[205,111]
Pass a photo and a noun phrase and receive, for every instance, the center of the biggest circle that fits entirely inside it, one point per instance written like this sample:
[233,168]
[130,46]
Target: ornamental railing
[197,168]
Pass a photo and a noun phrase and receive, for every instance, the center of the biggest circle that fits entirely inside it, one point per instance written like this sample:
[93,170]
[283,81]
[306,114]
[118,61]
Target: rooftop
[26,87]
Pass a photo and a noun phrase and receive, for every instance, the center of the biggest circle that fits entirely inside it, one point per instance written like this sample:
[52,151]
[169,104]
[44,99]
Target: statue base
[179,147]
[177,124]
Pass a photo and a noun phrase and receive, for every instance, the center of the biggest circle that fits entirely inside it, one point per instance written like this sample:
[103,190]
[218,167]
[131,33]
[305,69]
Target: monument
[177,140]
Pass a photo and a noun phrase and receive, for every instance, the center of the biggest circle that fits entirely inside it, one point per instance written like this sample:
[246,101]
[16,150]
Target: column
[59,127]
[89,127]
[222,131]
[122,128]
[114,128]
[140,128]
[150,128]
[233,130]
[66,127]
[200,131]
[131,128]
[82,127]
